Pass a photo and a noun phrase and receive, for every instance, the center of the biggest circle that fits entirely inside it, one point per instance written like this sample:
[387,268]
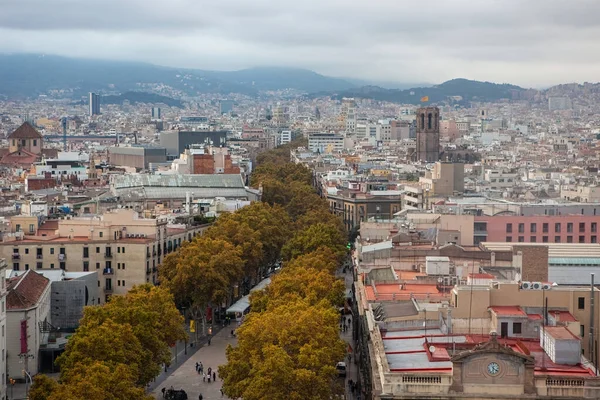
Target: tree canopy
[117,349]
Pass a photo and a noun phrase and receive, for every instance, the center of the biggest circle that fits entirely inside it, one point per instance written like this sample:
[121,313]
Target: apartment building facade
[537,228]
[124,249]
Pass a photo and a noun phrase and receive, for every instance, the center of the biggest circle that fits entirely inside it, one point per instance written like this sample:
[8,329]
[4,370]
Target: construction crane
[64,128]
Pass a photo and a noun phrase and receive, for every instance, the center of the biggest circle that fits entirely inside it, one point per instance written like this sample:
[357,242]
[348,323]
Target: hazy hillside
[468,90]
[27,75]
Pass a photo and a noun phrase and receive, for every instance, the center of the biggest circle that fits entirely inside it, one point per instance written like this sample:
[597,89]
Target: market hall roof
[146,186]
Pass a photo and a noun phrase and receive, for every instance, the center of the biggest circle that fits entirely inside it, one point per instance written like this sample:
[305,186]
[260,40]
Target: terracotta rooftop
[514,311]
[24,291]
[25,131]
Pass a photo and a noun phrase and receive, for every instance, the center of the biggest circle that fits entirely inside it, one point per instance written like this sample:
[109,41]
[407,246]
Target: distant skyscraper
[428,134]
[317,113]
[155,112]
[94,104]
[225,106]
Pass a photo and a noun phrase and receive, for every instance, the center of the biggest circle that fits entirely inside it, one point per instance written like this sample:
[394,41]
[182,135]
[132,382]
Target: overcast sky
[532,43]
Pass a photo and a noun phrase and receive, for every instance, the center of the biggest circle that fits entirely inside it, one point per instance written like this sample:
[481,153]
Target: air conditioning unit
[546,286]
[526,285]
[537,285]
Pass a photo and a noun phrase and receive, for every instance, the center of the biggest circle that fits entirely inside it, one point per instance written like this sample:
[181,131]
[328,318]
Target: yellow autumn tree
[202,273]
[286,352]
[100,381]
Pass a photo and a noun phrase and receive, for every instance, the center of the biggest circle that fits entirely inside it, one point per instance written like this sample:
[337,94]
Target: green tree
[314,237]
[318,215]
[43,386]
[273,225]
[323,258]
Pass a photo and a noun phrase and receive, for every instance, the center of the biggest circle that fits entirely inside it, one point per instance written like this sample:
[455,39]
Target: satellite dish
[432,349]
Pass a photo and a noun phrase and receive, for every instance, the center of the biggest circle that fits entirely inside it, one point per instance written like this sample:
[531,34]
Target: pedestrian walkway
[185,376]
[352,372]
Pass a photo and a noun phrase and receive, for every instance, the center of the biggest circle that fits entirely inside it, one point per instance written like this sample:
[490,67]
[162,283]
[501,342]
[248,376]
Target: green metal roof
[574,261]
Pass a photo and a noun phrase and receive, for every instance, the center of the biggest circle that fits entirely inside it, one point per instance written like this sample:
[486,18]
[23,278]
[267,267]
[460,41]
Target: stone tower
[428,134]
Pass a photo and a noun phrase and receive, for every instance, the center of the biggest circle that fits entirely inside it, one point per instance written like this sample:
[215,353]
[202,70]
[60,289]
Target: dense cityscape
[317,229]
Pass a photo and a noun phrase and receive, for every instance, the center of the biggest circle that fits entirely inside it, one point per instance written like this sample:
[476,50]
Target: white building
[27,305]
[3,331]
[285,137]
[325,142]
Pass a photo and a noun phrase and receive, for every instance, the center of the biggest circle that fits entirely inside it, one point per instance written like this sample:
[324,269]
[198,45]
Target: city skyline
[530,44]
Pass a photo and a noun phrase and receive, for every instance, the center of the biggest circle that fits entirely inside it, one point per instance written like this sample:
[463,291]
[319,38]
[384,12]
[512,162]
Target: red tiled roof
[561,333]
[481,276]
[563,316]
[25,131]
[534,317]
[24,291]
[513,311]
[21,157]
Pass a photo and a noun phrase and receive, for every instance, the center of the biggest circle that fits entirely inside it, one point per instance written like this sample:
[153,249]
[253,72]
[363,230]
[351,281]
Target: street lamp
[185,324]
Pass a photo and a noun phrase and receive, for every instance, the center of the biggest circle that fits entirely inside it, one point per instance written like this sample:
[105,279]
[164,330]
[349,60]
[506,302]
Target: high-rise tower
[428,134]
[94,104]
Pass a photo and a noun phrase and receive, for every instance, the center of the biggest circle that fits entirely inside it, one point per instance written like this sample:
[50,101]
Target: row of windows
[557,227]
[39,265]
[533,239]
[24,142]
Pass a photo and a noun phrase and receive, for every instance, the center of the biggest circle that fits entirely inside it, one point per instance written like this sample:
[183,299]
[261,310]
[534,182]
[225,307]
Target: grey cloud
[378,39]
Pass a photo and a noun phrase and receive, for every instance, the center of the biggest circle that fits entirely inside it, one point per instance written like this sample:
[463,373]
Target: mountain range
[30,75]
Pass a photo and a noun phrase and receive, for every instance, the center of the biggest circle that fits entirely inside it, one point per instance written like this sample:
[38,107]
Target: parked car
[341,369]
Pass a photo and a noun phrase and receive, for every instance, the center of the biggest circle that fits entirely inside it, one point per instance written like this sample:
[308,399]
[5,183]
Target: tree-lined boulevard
[289,343]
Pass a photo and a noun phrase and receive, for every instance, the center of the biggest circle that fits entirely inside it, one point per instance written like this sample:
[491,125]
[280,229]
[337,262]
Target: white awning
[240,306]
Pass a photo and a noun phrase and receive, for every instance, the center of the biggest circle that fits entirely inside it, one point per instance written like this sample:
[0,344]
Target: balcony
[39,256]
[154,253]
[108,271]
[148,255]
[148,271]
[108,255]
[154,269]
[16,256]
[108,290]
[62,257]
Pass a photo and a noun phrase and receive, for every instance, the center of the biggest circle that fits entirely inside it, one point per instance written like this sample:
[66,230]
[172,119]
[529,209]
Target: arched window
[422,121]
[429,121]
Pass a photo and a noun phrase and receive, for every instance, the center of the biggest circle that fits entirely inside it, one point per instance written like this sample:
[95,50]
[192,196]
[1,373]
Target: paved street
[185,376]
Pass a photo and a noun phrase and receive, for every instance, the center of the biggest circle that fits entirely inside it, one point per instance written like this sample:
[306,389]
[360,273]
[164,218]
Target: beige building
[491,341]
[445,179]
[580,193]
[122,247]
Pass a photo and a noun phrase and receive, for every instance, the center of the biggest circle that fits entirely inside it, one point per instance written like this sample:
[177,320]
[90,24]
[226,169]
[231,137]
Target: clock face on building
[493,368]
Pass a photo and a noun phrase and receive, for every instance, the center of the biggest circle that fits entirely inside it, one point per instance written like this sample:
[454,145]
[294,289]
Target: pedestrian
[201,368]
[200,396]
[221,392]
[208,378]
[203,377]
[163,390]
[232,333]
[209,370]
[197,367]
[209,340]
[214,376]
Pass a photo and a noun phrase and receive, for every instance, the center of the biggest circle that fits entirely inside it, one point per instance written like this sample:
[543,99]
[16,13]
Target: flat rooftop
[420,350]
